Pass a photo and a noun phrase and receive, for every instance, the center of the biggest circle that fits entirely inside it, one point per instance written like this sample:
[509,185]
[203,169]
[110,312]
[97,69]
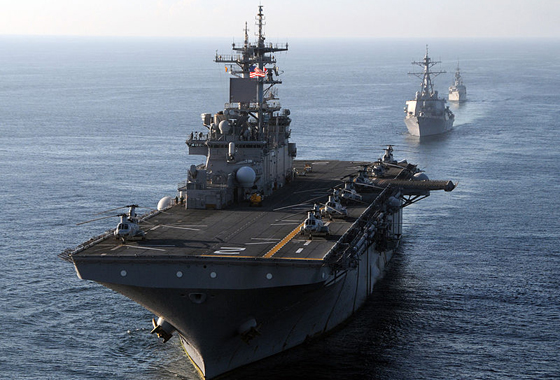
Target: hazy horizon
[285,19]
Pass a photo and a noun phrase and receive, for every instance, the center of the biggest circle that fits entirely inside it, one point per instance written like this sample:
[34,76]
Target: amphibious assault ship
[427,113]
[458,91]
[258,251]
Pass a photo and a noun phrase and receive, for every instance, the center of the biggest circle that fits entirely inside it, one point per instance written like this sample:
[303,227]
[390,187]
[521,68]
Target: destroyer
[259,252]
[458,91]
[427,114]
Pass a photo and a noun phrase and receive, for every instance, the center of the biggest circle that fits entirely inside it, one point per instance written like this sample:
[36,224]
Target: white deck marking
[299,250]
[307,242]
[229,250]
[143,247]
[182,228]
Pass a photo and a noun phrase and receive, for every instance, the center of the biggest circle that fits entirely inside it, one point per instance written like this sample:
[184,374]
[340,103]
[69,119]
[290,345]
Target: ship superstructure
[427,113]
[237,283]
[246,145]
[458,91]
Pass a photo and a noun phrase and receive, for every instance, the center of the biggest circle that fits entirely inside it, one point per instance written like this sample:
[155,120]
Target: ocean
[90,124]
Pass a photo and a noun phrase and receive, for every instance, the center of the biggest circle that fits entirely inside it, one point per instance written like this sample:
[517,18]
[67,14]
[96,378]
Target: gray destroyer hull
[427,126]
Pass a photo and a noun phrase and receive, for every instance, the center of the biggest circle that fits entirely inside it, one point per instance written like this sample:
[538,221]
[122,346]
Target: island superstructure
[458,91]
[258,252]
[427,113]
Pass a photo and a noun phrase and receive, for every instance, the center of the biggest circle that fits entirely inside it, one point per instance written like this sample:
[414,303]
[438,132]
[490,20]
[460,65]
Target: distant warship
[258,252]
[458,91]
[427,114]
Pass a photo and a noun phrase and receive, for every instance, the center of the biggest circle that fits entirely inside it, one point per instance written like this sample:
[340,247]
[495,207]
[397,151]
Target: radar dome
[164,203]
[420,177]
[224,127]
[246,176]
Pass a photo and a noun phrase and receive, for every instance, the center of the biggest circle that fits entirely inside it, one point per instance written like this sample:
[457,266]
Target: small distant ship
[427,113]
[258,252]
[458,91]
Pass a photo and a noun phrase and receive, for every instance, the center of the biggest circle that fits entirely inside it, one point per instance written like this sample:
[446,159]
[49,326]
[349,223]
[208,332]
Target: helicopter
[361,181]
[349,193]
[314,225]
[333,207]
[388,156]
[127,228]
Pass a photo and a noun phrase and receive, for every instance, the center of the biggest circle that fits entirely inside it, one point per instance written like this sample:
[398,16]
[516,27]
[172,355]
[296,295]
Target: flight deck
[241,231]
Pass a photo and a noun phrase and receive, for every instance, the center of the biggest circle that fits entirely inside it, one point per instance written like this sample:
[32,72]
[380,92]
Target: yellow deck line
[283,242]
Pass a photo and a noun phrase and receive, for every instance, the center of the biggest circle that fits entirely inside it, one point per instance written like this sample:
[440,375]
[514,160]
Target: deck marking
[142,247]
[155,227]
[283,242]
[181,228]
[229,250]
[299,250]
[307,242]
[286,223]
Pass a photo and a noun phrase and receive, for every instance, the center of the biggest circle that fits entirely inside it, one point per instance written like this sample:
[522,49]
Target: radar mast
[427,63]
[254,61]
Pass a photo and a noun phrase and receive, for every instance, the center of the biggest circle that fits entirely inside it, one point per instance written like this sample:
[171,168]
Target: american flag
[256,72]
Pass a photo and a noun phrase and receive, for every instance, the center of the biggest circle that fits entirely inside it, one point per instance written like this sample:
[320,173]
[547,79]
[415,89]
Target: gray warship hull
[254,286]
[241,284]
[306,301]
[458,94]
[427,126]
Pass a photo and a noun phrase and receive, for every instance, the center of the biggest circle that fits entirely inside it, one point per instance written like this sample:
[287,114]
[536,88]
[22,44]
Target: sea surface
[90,124]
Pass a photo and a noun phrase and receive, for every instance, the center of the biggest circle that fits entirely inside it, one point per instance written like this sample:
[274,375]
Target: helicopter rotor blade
[96,219]
[113,209]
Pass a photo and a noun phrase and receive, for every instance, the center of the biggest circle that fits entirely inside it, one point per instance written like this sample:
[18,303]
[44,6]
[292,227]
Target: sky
[285,18]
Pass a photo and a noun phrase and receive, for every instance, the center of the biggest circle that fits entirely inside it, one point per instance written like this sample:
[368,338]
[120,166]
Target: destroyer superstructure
[427,113]
[458,91]
[237,283]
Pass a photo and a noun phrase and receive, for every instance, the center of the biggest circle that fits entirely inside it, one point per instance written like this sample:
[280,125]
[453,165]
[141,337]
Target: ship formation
[258,251]
[458,91]
[427,113]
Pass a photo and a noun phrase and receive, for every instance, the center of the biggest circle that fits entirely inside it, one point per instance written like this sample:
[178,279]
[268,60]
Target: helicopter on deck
[127,228]
[333,207]
[349,194]
[361,181]
[314,225]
